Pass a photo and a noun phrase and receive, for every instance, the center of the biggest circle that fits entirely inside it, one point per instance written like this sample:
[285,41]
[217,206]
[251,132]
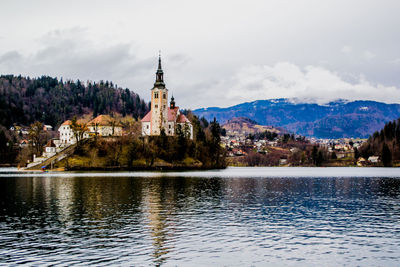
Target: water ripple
[175,220]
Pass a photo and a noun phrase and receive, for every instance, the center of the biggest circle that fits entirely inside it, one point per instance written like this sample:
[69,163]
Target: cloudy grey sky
[215,53]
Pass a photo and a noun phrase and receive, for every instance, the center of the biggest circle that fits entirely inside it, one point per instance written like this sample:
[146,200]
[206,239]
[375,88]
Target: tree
[181,143]
[215,147]
[386,156]
[320,158]
[112,122]
[356,153]
[96,129]
[314,154]
[78,129]
[36,137]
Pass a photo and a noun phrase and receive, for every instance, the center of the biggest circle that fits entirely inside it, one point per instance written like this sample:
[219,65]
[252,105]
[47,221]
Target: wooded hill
[51,101]
[384,143]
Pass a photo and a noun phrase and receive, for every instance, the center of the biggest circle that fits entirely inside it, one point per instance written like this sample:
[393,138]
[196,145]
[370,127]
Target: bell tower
[159,103]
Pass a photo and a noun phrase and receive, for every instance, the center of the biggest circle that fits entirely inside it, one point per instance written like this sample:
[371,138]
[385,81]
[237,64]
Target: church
[161,115]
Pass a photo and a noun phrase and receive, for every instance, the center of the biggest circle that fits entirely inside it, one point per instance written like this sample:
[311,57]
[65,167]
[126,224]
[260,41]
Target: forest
[384,143]
[24,100]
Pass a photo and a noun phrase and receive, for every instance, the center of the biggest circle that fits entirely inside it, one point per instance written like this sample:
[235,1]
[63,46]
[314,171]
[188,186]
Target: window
[163,106]
[169,126]
[156,95]
[156,106]
[147,126]
[164,96]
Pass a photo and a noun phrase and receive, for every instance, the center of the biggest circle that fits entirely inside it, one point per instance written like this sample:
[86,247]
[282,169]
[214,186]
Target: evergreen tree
[386,156]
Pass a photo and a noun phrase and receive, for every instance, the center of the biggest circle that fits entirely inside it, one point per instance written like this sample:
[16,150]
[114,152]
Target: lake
[233,217]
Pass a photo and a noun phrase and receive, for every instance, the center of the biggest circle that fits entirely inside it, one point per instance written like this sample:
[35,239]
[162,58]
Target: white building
[66,133]
[104,125]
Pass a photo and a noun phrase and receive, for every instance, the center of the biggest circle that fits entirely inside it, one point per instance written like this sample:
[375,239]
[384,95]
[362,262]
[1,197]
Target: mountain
[24,100]
[247,126]
[336,119]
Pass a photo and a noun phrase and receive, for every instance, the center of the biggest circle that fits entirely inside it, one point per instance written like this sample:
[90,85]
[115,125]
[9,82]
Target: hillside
[247,126]
[24,100]
[333,120]
[385,144]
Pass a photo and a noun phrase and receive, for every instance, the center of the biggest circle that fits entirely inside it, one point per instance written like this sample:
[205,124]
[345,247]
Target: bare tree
[79,129]
[37,137]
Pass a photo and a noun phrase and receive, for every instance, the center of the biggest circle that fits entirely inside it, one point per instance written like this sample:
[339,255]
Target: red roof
[182,119]
[68,122]
[147,118]
[102,120]
[50,143]
[172,113]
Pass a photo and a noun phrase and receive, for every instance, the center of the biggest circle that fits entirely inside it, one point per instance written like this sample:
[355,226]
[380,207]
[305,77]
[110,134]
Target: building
[50,149]
[374,159]
[47,128]
[66,133]
[104,125]
[161,116]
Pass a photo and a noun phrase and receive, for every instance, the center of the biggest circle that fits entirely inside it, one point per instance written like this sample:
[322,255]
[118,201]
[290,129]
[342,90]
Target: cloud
[396,61]
[10,56]
[368,55]
[287,80]
[71,54]
[346,49]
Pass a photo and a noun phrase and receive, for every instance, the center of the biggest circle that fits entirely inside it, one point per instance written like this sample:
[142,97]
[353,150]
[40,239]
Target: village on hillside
[249,144]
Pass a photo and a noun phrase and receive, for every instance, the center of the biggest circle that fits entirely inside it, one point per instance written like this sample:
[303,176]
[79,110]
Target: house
[49,149]
[283,161]
[104,125]
[47,128]
[374,159]
[66,133]
[162,117]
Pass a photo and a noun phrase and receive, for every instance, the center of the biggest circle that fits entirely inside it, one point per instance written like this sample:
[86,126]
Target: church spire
[159,75]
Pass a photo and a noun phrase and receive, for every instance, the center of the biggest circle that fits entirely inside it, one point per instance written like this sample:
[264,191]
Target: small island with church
[166,138]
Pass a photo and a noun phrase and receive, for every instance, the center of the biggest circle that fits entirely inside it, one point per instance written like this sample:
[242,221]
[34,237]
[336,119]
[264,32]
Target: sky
[214,53]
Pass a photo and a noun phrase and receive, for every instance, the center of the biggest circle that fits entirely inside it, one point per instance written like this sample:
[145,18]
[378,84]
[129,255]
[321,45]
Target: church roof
[146,118]
[182,119]
[172,115]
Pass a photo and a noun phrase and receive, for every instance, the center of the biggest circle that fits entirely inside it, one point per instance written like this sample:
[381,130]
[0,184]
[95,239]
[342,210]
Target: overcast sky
[215,53]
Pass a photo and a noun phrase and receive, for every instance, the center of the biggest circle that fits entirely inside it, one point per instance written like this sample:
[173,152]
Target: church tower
[159,103]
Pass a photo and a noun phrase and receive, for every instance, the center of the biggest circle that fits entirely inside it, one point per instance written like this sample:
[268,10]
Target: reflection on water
[199,221]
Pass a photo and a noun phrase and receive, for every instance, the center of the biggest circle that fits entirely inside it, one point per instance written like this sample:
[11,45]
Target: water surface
[239,216]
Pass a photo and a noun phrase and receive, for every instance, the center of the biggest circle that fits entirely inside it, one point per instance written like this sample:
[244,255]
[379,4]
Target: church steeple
[159,75]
